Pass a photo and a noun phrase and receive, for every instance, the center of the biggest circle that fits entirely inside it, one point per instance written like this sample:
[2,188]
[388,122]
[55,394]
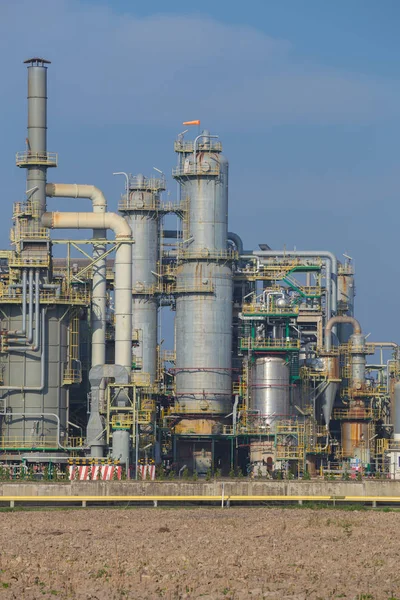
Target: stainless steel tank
[204,284]
[269,388]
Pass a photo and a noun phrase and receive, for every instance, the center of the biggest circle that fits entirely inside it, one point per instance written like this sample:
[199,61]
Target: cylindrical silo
[203,282]
[141,210]
[269,388]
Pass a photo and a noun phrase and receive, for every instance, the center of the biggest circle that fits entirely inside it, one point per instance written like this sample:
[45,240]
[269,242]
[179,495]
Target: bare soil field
[208,553]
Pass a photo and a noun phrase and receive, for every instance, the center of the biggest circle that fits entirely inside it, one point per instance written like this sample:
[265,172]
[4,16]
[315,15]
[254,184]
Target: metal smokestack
[36,159]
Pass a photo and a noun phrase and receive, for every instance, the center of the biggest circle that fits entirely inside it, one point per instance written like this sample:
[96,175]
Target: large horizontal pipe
[336,320]
[99,282]
[74,190]
[123,270]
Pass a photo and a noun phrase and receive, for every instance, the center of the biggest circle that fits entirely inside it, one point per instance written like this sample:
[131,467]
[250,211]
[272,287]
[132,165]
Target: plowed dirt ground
[208,553]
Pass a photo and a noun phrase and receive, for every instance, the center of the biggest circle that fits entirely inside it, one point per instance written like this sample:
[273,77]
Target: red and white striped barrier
[95,472]
[147,472]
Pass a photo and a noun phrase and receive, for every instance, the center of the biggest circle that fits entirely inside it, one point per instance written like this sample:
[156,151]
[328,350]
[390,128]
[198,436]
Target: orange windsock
[191,122]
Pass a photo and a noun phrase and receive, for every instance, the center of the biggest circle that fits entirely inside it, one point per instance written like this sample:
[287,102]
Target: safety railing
[169,356]
[261,308]
[356,414]
[345,269]
[148,184]
[137,362]
[139,289]
[205,253]
[204,286]
[16,443]
[18,261]
[75,442]
[141,379]
[307,373]
[188,146]
[204,169]
[122,421]
[72,376]
[28,158]
[136,204]
[269,344]
[145,416]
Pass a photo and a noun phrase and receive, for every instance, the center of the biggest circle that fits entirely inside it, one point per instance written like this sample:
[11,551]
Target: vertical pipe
[30,319]
[37,132]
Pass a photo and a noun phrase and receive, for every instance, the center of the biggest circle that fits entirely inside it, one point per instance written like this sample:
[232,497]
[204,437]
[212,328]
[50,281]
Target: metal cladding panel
[144,320]
[23,369]
[270,389]
[208,207]
[204,339]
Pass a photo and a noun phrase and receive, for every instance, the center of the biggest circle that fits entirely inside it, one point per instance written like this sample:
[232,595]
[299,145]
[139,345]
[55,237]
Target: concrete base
[211,488]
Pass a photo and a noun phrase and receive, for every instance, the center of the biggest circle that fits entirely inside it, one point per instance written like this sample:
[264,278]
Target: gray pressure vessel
[203,322]
[269,387]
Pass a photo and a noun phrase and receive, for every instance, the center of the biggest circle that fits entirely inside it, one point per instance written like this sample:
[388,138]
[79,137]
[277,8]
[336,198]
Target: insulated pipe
[331,270]
[21,388]
[30,331]
[99,281]
[36,345]
[123,271]
[237,240]
[344,319]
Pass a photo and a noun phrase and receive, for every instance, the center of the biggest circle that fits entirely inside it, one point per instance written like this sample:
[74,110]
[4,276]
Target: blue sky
[305,95]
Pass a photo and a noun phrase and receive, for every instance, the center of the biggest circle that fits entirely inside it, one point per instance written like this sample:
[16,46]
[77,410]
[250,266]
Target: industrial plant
[268,374]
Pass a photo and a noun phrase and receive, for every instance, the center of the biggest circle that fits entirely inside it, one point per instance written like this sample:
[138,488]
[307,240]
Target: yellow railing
[262,308]
[199,286]
[356,414]
[248,343]
[206,253]
[72,376]
[169,356]
[16,443]
[145,416]
[141,379]
[123,420]
[75,442]
[49,159]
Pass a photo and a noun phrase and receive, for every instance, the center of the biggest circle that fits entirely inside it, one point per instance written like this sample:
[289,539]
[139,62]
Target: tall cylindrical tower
[204,282]
[35,315]
[141,210]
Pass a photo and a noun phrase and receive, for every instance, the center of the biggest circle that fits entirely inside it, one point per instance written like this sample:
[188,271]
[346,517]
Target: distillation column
[204,289]
[141,210]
